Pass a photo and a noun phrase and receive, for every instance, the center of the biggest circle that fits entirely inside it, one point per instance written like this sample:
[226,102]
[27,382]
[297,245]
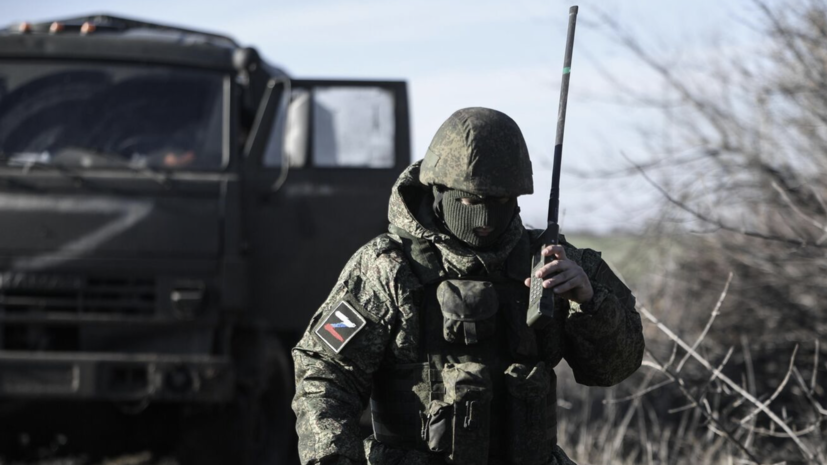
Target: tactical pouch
[469,310]
[436,426]
[468,390]
[526,414]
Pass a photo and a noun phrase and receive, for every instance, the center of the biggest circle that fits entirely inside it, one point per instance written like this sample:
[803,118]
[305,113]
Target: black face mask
[461,220]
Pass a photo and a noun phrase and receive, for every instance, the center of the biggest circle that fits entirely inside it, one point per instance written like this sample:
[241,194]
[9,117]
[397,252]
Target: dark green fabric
[424,257]
[461,219]
[529,439]
[401,392]
[469,390]
[468,310]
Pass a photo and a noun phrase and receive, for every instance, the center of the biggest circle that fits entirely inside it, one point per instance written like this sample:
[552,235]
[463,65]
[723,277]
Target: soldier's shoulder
[381,252]
[382,264]
[385,247]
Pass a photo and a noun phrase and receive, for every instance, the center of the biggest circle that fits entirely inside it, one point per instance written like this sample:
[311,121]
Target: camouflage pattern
[457,258]
[481,151]
[602,340]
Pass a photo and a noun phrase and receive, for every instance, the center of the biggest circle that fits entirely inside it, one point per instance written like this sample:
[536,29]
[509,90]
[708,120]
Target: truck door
[318,189]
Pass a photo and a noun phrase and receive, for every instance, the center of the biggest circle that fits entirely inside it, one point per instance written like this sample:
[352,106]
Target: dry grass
[661,417]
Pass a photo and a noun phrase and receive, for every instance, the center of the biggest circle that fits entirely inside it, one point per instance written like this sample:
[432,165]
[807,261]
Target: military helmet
[481,151]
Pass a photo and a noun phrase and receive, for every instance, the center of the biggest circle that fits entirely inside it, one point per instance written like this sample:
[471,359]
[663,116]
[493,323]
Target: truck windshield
[89,116]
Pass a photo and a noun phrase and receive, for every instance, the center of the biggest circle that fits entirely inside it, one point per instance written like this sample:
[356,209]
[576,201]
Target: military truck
[173,208]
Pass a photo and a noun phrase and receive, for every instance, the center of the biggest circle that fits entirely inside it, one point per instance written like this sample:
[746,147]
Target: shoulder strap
[518,263]
[423,255]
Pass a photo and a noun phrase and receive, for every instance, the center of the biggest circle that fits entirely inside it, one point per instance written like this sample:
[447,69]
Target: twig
[715,312]
[816,405]
[717,222]
[818,197]
[714,114]
[639,393]
[672,355]
[681,409]
[627,418]
[706,386]
[650,364]
[790,203]
[780,29]
[821,410]
[681,385]
[815,368]
[750,383]
[718,370]
[626,172]
[774,434]
[802,447]
[777,390]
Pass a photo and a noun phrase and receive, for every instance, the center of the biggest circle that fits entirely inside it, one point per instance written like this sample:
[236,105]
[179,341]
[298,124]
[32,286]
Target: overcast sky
[498,54]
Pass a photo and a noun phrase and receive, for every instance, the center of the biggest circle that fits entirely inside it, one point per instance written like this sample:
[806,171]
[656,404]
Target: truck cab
[173,209]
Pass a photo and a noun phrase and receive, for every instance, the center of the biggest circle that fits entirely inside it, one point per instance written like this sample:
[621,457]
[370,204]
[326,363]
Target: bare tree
[744,187]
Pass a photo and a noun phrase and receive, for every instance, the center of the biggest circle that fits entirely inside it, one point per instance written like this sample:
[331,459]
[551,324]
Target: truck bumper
[115,377]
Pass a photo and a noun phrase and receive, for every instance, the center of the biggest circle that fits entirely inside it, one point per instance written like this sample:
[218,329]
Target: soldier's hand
[564,276]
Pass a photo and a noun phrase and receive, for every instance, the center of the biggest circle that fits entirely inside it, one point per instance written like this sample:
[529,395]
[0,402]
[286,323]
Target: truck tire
[258,428]
[273,439]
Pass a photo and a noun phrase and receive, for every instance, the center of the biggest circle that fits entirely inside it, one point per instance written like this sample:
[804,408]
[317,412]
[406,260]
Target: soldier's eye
[470,201]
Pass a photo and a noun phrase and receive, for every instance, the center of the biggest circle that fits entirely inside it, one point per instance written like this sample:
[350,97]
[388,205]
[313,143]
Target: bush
[746,198]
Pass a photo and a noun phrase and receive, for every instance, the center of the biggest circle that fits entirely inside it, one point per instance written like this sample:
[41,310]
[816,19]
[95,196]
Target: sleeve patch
[340,326]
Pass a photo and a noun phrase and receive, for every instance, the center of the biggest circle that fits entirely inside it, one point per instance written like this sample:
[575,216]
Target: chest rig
[479,389]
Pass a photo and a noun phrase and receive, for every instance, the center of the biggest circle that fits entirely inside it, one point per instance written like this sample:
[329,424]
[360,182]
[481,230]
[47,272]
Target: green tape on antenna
[566,70]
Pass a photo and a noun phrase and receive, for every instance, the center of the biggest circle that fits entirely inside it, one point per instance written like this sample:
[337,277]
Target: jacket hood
[410,212]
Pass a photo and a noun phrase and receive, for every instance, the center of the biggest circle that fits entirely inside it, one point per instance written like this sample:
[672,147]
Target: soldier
[427,323]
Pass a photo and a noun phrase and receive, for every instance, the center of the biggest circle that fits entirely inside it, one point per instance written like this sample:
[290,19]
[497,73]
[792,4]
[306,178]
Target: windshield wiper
[28,160]
[45,160]
[160,177]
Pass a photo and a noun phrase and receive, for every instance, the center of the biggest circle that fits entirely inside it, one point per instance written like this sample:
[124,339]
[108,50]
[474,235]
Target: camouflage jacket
[602,339]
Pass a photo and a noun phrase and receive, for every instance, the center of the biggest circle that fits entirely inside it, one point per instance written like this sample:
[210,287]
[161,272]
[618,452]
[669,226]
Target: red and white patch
[340,326]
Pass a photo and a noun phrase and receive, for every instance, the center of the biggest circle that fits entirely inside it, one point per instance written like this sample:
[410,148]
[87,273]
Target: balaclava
[460,219]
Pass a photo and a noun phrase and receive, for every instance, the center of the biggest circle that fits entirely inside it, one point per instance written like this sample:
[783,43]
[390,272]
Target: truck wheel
[273,439]
[258,428]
